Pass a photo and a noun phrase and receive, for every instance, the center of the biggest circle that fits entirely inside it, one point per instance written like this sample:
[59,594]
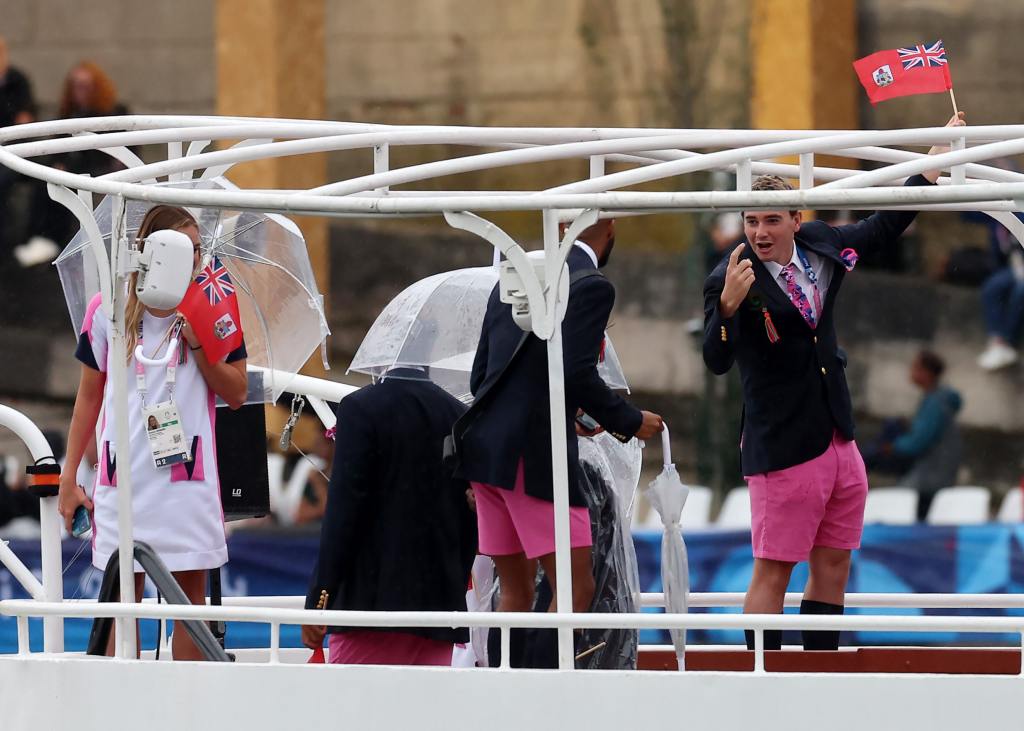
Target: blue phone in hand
[80,523]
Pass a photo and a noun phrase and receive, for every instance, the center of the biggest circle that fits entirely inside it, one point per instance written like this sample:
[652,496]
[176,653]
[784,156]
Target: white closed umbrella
[667,495]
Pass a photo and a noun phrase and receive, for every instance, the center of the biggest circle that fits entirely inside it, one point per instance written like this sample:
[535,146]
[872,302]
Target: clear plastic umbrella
[435,324]
[667,495]
[265,254]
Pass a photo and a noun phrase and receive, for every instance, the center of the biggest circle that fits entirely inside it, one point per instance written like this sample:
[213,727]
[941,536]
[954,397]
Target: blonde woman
[176,507]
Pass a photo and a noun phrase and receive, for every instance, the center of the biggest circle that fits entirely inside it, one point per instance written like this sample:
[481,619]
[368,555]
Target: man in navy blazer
[769,308]
[505,439]
[398,533]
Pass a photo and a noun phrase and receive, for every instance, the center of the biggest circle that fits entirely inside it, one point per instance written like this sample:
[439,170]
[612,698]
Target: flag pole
[956,112]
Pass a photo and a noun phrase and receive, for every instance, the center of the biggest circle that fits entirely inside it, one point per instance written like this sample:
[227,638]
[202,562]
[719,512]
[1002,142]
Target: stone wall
[572,63]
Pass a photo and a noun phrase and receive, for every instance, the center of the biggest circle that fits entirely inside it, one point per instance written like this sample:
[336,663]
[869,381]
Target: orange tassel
[769,326]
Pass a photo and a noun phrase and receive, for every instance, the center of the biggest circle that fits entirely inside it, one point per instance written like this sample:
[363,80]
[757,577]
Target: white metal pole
[49,525]
[559,453]
[126,641]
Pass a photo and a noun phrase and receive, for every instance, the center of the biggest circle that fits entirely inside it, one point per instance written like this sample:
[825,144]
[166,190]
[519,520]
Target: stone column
[271,63]
[801,65]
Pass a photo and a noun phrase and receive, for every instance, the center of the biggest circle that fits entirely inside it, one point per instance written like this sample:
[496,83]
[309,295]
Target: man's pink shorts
[510,521]
[817,503]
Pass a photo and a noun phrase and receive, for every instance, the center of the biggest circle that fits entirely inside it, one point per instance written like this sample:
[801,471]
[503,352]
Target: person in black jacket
[769,307]
[398,533]
[505,439]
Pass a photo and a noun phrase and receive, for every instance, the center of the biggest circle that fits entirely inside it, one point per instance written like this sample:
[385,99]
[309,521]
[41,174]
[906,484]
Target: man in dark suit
[769,307]
[398,534]
[505,439]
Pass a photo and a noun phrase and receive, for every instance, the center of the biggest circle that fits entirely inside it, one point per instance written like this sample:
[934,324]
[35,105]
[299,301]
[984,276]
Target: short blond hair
[771,182]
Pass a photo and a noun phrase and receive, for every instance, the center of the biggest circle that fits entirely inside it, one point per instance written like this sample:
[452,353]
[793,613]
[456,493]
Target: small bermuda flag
[904,71]
[211,307]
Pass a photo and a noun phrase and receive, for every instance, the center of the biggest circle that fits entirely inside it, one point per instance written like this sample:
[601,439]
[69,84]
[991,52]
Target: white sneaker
[996,356]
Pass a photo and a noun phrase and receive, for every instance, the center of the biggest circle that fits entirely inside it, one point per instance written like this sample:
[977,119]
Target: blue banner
[919,559]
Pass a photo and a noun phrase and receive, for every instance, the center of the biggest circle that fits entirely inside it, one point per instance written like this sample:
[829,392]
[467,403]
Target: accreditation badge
[166,437]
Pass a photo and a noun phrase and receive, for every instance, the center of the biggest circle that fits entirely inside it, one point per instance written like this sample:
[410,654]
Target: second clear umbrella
[435,325]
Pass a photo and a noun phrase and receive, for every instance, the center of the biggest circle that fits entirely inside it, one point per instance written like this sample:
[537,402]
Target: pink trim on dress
[90,310]
[180,473]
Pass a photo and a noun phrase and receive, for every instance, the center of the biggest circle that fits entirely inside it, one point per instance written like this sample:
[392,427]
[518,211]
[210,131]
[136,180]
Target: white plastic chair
[891,506]
[959,506]
[735,512]
[697,511]
[1011,510]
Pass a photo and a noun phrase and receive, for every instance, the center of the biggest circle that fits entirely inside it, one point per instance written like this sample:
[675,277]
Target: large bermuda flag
[211,306]
[904,71]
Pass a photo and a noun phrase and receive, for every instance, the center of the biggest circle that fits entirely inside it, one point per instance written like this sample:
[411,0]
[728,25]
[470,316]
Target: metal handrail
[22,609]
[172,592]
[711,600]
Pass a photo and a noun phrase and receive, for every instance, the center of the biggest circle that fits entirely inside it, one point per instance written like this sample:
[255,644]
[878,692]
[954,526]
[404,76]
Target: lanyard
[172,366]
[809,271]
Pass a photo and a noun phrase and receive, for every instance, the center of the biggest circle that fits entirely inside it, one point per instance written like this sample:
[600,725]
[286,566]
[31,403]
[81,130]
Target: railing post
[559,449]
[958,173]
[759,651]
[506,646]
[24,647]
[744,176]
[806,170]
[53,575]
[275,643]
[381,162]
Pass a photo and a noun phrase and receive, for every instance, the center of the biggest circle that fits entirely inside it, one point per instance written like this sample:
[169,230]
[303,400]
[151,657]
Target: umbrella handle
[172,350]
[666,445]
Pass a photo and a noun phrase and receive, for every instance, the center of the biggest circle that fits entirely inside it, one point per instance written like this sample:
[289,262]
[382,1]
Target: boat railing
[23,609]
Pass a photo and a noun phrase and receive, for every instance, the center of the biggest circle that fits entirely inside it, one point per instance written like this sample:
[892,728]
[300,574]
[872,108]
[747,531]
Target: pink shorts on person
[510,521]
[817,503]
[368,647]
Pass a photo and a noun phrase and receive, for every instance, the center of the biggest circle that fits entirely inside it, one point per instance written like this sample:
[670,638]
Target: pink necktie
[797,296]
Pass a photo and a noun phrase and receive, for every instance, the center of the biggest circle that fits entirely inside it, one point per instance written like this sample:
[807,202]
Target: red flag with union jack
[921,69]
[211,306]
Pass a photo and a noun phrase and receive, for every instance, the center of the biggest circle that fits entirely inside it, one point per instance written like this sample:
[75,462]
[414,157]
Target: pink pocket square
[849,257]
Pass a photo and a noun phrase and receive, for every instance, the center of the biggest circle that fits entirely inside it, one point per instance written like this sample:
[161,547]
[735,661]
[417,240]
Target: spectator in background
[16,107]
[87,92]
[1002,298]
[313,503]
[926,452]
[16,103]
[726,232]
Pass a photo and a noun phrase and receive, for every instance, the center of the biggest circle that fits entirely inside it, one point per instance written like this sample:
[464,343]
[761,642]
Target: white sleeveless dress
[176,510]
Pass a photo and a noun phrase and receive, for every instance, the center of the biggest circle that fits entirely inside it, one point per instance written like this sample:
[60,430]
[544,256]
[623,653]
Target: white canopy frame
[649,156]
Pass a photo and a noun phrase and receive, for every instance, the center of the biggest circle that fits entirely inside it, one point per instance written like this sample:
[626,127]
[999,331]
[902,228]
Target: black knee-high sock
[820,639]
[772,639]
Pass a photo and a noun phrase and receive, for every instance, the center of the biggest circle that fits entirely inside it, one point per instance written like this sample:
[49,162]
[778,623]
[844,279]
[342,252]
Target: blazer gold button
[823,371]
